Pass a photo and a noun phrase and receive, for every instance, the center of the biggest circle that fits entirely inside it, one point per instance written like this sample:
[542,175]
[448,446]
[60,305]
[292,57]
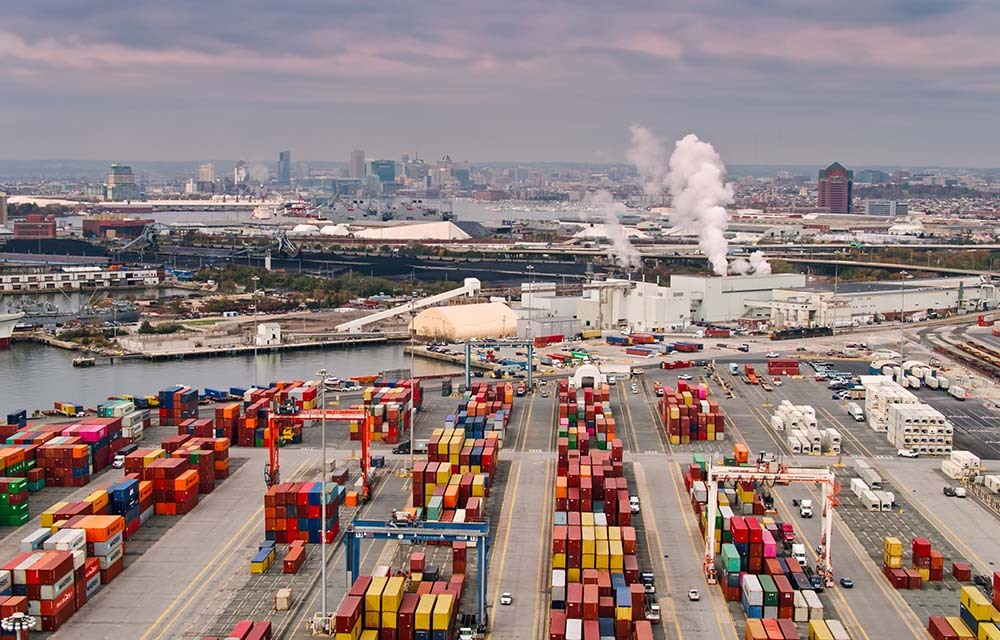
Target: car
[635,388]
[542,383]
[820,378]
[847,583]
[545,393]
[694,594]
[949,491]
[649,588]
[816,582]
[506,598]
[633,503]
[907,453]
[777,382]
[612,380]
[684,376]
[773,354]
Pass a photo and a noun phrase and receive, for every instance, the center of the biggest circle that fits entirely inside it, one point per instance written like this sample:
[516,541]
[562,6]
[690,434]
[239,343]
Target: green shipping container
[730,558]
[770,590]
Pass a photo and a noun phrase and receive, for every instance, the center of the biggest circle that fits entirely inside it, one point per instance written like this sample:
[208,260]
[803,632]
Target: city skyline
[914,83]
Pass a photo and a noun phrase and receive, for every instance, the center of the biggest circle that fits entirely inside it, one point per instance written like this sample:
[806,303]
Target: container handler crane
[771,471]
[276,424]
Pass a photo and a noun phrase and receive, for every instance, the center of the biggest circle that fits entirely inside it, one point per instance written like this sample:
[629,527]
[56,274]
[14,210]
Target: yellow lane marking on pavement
[197,579]
[662,438]
[541,590]
[509,501]
[694,534]
[863,559]
[643,490]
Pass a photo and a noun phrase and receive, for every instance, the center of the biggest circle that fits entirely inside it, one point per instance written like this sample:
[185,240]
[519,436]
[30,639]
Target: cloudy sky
[767,81]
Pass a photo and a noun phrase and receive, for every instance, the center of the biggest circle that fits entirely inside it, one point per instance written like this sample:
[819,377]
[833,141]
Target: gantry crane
[771,471]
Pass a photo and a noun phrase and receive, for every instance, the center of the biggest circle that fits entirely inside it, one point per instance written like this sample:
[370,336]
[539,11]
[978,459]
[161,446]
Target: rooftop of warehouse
[856,288]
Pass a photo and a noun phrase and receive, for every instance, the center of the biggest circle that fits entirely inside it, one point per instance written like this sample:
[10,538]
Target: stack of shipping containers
[595,589]
[689,416]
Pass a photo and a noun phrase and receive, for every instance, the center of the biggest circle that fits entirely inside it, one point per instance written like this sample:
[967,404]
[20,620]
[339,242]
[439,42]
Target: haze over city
[888,82]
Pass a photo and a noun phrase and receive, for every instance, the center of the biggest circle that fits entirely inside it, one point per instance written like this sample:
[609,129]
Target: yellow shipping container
[623,613]
[48,516]
[819,631]
[425,609]
[964,633]
[373,599]
[389,619]
[614,533]
[893,562]
[976,602]
[892,546]
[369,634]
[988,631]
[587,519]
[587,539]
[587,561]
[392,595]
[558,560]
[601,533]
[443,610]
[572,574]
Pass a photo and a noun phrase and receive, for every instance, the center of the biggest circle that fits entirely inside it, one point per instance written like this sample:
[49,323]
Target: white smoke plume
[621,250]
[694,176]
[650,159]
[700,196]
[760,265]
[740,267]
[259,173]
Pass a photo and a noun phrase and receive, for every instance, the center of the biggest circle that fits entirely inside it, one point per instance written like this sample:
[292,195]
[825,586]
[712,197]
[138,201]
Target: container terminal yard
[575,507]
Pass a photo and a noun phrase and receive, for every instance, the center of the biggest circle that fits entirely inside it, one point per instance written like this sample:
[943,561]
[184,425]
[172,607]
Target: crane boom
[774,473]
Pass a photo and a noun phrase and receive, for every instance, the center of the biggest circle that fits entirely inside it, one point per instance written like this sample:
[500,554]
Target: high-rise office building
[384,170]
[358,164]
[121,183]
[284,168]
[206,172]
[886,208]
[240,174]
[834,187]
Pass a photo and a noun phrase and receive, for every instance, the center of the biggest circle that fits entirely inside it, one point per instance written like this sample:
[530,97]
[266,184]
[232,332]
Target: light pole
[902,313]
[531,289]
[256,329]
[20,623]
[413,373]
[322,373]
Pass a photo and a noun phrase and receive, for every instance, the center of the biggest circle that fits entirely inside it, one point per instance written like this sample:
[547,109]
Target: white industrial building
[604,304]
[861,303]
[729,299]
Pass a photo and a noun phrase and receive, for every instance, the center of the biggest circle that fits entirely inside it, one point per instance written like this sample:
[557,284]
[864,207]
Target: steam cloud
[694,176]
[259,173]
[621,250]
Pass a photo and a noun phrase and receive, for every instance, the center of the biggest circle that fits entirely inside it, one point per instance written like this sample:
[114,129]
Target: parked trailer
[871,478]
[957,392]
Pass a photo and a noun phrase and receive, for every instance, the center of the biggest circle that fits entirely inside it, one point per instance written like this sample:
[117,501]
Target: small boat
[331,382]
[84,361]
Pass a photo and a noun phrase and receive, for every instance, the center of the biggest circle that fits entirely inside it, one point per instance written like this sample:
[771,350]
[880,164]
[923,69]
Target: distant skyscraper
[3,209]
[121,183]
[285,168]
[358,163]
[240,174]
[384,170]
[834,187]
[206,172]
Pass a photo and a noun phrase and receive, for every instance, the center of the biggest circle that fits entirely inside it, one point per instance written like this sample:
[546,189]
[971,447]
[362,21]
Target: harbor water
[34,376]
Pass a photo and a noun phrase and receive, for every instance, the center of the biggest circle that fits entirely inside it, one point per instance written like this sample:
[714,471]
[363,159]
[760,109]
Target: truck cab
[806,508]
[799,553]
[119,461]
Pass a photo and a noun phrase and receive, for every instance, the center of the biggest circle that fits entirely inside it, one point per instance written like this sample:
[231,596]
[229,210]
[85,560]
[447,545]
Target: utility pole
[256,328]
[323,373]
[902,314]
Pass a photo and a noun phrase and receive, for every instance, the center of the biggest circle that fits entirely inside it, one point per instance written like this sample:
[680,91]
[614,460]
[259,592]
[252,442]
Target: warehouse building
[604,304]
[734,298]
[462,322]
[862,303]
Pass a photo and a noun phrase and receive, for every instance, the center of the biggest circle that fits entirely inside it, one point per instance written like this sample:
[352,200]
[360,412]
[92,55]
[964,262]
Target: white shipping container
[953,470]
[871,478]
[837,630]
[815,606]
[858,487]
[574,629]
[871,501]
[885,500]
[801,612]
[944,383]
[992,482]
[752,590]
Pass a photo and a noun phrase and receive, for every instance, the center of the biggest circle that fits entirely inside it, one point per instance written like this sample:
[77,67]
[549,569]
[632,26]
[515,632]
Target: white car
[633,503]
[684,376]
[506,598]
[635,388]
[908,453]
[773,354]
[694,594]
